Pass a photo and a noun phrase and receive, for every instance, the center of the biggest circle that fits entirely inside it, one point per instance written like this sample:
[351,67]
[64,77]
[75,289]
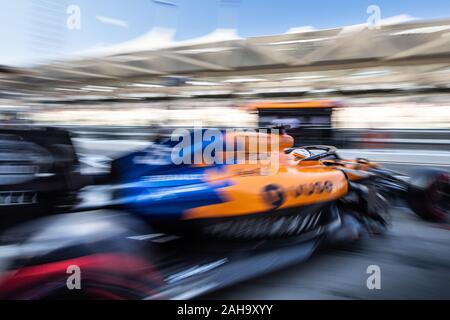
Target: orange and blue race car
[176,225]
[289,194]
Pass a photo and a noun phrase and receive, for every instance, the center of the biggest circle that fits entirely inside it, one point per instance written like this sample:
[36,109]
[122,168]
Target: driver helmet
[301,154]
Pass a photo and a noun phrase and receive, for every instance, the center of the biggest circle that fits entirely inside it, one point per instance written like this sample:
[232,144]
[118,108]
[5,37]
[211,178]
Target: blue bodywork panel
[152,186]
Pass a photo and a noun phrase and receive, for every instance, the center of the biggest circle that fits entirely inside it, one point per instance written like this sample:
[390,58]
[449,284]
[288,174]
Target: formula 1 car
[209,224]
[39,173]
[242,200]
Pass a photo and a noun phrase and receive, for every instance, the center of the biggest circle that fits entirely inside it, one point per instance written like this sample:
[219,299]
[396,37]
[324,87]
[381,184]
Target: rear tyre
[429,195]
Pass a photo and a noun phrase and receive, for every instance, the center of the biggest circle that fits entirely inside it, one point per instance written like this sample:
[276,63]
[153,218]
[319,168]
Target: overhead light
[67,89]
[145,85]
[373,73]
[98,88]
[310,77]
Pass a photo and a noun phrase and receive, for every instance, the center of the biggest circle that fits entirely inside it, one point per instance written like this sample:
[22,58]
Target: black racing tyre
[429,194]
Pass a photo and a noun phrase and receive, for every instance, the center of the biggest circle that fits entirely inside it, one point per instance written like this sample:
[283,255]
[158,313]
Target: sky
[33,29]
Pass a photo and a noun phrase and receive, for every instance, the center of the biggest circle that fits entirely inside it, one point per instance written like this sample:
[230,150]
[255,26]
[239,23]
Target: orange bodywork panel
[256,188]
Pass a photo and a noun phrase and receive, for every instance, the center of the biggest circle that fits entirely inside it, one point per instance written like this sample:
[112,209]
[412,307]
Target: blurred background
[170,63]
[115,72]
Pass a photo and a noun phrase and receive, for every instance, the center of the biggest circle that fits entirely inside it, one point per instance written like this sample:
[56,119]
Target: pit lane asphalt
[413,255]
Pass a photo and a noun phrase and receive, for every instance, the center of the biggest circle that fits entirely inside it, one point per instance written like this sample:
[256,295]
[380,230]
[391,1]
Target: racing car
[241,199]
[39,173]
[179,230]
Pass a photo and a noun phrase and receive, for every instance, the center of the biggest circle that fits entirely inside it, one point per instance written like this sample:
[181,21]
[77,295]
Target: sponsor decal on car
[319,187]
[274,195]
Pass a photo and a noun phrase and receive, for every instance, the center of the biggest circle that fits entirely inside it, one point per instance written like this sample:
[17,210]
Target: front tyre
[429,194]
